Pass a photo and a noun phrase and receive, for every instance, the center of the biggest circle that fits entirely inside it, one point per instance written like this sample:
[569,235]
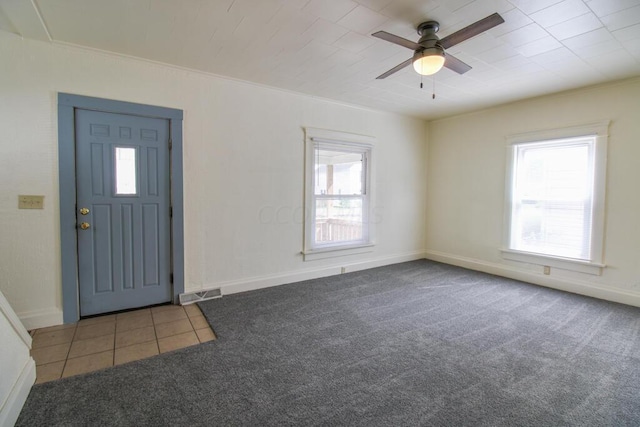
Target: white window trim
[596,263]
[313,135]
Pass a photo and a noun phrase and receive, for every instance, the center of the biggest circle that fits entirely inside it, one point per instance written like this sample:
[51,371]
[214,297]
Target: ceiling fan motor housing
[429,41]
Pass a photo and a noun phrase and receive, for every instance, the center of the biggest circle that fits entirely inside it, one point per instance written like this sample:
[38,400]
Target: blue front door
[123,211]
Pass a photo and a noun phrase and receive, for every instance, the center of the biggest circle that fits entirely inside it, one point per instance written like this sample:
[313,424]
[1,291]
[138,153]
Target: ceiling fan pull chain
[433,95]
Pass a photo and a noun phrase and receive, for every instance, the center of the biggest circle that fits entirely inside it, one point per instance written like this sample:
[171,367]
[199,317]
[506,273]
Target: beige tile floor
[99,342]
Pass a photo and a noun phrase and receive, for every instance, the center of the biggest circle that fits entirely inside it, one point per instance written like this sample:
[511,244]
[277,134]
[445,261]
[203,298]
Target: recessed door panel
[150,242]
[126,211]
[97,169]
[102,249]
[152,169]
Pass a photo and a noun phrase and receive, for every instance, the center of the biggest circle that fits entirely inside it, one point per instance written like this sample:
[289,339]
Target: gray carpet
[418,343]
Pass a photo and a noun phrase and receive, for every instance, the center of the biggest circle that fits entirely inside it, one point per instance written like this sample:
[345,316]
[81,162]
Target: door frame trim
[67,104]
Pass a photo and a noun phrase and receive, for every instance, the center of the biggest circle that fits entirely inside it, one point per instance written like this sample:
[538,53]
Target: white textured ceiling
[324,47]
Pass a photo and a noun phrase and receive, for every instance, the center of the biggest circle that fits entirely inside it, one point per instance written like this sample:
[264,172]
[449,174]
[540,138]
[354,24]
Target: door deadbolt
[84,211]
[85,225]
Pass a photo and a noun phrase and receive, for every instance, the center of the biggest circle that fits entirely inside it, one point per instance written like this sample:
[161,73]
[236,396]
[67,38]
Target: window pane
[125,159]
[338,172]
[552,202]
[338,220]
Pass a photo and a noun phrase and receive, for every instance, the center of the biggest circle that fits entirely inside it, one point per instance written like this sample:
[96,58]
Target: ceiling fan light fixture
[429,61]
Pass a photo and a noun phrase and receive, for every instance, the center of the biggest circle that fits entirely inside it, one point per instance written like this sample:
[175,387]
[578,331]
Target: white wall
[17,367]
[243,161]
[466,176]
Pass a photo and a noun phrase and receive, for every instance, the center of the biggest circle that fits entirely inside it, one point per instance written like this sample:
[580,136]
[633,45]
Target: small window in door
[125,171]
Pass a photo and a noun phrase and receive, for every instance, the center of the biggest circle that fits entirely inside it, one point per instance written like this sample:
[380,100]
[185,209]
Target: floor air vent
[192,297]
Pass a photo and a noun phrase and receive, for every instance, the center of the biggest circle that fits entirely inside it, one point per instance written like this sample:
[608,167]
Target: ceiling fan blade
[453,63]
[472,30]
[396,39]
[395,69]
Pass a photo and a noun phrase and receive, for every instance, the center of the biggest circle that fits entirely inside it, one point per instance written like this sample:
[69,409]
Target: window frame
[595,263]
[348,142]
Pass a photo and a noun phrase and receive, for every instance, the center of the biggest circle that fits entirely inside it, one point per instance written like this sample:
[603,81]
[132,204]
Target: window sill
[552,261]
[336,251]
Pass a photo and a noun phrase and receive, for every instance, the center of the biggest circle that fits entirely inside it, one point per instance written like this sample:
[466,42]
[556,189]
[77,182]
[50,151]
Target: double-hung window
[555,198]
[338,193]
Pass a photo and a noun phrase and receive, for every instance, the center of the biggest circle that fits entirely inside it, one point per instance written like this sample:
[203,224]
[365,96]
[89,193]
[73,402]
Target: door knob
[85,225]
[84,211]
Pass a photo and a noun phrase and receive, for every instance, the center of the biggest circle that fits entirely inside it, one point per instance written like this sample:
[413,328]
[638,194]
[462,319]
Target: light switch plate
[30,202]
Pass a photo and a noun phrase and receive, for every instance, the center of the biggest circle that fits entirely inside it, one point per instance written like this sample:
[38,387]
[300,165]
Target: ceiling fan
[429,52]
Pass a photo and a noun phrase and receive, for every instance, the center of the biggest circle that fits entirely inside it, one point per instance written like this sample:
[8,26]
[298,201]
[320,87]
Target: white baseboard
[253,283]
[14,402]
[573,286]
[41,318]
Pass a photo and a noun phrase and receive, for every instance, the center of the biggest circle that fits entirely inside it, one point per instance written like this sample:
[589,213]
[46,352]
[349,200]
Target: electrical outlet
[30,202]
[547,270]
